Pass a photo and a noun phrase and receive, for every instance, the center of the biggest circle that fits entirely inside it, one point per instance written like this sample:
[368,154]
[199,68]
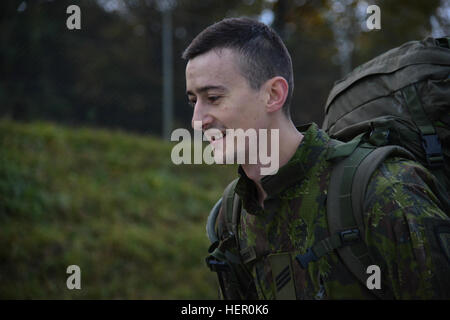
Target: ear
[277,90]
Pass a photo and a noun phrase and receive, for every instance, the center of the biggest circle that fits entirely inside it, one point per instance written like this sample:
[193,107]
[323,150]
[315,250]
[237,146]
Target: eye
[213,99]
[192,103]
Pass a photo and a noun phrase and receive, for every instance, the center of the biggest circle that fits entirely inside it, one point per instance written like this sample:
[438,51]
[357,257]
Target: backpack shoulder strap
[226,202]
[345,201]
[211,222]
[224,250]
[342,218]
[365,171]
[230,209]
[343,228]
[355,165]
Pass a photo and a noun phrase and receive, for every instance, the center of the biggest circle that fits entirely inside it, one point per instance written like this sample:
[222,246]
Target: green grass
[108,201]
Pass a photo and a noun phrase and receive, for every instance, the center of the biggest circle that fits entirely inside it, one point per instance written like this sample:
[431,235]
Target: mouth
[215,139]
[215,136]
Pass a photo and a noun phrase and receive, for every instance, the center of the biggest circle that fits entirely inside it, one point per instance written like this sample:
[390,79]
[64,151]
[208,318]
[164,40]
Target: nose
[201,119]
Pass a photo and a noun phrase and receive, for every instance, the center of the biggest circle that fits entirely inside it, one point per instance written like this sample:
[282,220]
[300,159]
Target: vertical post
[167,72]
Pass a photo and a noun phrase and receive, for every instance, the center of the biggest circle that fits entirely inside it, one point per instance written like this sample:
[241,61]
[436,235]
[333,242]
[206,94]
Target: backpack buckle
[349,236]
[216,265]
[433,150]
[305,259]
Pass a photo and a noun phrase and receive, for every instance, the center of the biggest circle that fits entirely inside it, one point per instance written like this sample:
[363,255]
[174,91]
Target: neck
[289,140]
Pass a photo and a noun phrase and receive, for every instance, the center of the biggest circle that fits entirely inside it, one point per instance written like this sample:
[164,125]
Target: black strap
[430,140]
[327,245]
[443,42]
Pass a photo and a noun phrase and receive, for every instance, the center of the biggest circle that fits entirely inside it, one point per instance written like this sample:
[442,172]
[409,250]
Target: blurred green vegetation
[109,73]
[108,201]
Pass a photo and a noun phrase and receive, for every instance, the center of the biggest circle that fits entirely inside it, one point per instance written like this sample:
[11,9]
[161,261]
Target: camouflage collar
[306,156]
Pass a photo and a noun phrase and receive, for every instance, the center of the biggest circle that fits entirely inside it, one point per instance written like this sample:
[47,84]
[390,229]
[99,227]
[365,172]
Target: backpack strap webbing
[365,171]
[430,139]
[443,42]
[228,209]
[211,222]
[355,166]
[345,201]
[224,251]
[220,242]
[345,233]
[431,144]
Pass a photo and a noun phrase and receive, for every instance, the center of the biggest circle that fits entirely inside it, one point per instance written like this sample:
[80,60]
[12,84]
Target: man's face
[221,97]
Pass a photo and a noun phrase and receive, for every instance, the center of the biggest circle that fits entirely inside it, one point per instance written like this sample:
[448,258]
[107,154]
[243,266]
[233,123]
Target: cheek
[250,104]
[254,112]
[242,111]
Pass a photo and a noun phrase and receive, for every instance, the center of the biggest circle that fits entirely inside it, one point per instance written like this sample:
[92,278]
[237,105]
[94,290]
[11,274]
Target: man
[239,76]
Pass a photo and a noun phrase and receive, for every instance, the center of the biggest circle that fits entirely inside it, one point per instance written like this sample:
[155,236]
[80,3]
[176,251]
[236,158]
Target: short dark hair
[263,54]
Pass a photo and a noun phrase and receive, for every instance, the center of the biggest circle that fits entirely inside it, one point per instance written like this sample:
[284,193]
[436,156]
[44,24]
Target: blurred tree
[401,21]
[109,73]
[95,75]
[310,41]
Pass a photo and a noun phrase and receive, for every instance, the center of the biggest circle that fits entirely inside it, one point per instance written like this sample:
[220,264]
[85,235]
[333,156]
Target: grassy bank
[110,202]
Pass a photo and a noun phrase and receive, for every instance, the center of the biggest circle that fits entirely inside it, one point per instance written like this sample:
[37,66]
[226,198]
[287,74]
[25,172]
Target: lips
[215,135]
[214,139]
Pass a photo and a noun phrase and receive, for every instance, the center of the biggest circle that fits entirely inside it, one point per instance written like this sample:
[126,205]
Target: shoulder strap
[224,251]
[345,202]
[230,211]
[341,216]
[211,222]
[365,171]
[226,202]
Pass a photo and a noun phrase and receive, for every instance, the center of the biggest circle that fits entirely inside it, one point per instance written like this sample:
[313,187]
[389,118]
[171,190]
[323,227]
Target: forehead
[214,68]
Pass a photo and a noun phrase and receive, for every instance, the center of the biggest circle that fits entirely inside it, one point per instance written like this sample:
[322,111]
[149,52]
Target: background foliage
[109,202]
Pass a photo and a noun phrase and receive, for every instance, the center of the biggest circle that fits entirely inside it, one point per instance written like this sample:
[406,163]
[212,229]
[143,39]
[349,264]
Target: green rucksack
[403,98]
[394,105]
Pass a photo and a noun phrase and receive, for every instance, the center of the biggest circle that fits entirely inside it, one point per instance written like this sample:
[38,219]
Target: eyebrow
[206,88]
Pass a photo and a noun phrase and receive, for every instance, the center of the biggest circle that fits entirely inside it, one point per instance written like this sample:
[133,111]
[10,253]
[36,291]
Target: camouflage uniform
[399,202]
